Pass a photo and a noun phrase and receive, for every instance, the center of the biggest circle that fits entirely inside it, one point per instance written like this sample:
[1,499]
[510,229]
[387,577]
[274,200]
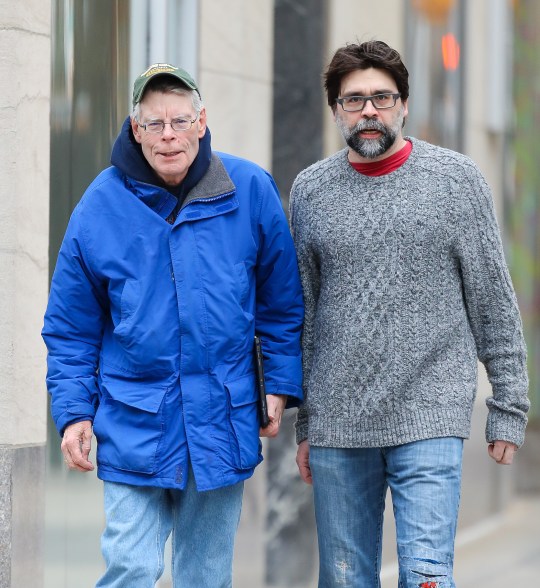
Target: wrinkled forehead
[173,103]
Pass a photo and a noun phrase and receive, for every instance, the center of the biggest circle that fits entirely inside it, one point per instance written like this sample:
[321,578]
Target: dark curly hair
[376,54]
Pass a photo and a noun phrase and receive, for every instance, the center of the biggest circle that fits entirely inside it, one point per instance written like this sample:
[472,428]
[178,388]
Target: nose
[369,110]
[167,132]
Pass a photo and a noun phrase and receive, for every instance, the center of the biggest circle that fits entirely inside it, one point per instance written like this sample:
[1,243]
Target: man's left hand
[276,405]
[502,451]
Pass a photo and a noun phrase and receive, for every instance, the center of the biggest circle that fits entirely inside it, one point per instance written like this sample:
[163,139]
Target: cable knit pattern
[405,286]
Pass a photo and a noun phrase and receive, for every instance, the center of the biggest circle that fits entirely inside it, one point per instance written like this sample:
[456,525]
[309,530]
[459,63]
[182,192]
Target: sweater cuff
[301,430]
[503,426]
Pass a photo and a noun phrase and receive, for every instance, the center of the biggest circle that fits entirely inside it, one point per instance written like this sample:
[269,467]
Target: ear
[405,108]
[202,123]
[135,129]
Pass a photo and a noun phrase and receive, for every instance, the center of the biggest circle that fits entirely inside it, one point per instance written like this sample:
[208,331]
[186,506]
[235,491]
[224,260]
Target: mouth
[169,154]
[369,133]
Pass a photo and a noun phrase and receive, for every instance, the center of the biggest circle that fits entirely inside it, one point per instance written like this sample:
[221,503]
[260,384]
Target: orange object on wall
[450,51]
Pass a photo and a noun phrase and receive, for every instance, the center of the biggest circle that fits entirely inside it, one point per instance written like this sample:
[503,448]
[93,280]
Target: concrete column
[298,103]
[235,76]
[24,212]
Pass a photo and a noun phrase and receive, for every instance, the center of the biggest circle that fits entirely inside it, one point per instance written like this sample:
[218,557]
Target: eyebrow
[158,119]
[357,93]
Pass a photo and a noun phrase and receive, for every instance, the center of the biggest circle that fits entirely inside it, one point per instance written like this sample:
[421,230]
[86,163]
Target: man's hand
[76,445]
[502,452]
[276,405]
[302,461]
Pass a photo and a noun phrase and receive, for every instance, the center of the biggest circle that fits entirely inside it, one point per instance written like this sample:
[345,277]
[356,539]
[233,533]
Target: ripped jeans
[349,488]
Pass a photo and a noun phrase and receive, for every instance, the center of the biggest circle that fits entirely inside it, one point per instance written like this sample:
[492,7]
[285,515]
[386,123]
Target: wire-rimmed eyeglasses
[177,124]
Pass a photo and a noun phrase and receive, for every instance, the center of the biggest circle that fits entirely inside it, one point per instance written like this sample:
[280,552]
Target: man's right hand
[76,445]
[302,461]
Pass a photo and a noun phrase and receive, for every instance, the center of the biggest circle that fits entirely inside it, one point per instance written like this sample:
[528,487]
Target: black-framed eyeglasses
[177,124]
[379,101]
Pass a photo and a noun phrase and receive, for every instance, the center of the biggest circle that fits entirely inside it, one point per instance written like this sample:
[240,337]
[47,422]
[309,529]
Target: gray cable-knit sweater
[405,285]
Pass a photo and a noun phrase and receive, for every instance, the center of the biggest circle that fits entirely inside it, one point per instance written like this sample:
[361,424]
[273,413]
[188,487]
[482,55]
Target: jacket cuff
[294,393]
[75,413]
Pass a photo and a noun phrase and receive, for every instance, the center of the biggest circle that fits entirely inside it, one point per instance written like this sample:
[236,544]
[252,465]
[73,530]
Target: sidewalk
[501,552]
[506,555]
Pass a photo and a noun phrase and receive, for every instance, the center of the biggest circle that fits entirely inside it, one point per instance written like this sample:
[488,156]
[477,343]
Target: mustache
[369,125]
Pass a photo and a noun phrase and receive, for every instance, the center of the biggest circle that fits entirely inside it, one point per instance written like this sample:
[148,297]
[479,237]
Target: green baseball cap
[160,69]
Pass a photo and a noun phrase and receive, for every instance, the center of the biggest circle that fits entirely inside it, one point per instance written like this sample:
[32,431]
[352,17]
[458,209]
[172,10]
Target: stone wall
[24,206]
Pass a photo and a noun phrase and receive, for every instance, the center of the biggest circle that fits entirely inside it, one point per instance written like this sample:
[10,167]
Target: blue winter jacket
[150,325]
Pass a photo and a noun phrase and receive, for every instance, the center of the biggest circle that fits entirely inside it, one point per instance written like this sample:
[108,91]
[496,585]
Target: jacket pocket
[129,424]
[129,299]
[242,282]
[129,302]
[244,422]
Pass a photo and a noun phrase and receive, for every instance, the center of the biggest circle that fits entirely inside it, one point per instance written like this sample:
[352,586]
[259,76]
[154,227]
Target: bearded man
[405,286]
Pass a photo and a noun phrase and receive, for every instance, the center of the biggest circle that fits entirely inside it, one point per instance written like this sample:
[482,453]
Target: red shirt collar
[387,165]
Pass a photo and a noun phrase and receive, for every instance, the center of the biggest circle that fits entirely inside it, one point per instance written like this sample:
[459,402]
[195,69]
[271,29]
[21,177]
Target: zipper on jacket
[213,199]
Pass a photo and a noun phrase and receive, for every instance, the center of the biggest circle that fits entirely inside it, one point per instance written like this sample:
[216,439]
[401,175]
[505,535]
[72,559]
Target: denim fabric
[349,490]
[139,520]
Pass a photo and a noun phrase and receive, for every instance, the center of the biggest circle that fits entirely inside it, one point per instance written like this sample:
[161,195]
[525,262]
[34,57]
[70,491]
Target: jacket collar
[215,182]
[214,195]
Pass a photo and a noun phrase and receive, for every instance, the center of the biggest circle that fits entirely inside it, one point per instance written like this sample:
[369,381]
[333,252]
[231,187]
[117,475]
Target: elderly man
[405,286]
[173,259]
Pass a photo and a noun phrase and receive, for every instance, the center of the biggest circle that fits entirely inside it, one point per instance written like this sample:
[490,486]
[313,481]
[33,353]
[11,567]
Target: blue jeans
[139,520]
[349,488]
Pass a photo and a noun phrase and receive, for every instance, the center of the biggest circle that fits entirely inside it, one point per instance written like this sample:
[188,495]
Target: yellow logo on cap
[158,68]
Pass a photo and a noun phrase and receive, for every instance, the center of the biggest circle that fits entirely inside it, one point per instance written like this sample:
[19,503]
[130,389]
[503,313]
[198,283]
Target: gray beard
[369,148]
